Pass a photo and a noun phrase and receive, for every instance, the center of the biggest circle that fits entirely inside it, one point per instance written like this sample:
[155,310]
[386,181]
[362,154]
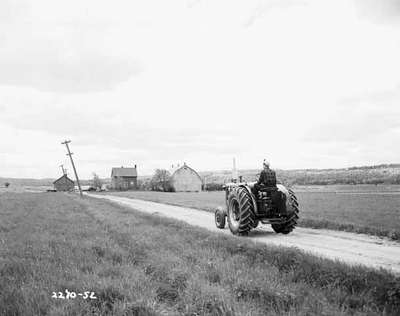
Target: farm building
[64,184]
[185,179]
[124,178]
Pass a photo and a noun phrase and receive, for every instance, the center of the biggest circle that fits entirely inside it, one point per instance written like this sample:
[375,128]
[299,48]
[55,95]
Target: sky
[301,83]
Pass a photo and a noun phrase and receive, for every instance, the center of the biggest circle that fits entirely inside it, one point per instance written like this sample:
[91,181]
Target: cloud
[11,10]
[116,130]
[192,3]
[102,137]
[84,72]
[266,6]
[70,55]
[383,98]
[360,130]
[127,82]
[379,11]
[360,120]
[353,126]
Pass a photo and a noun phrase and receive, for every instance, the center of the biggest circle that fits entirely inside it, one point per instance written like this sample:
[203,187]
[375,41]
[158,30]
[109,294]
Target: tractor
[248,204]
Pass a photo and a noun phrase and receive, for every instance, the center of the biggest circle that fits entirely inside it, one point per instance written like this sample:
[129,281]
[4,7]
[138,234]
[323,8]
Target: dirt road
[348,247]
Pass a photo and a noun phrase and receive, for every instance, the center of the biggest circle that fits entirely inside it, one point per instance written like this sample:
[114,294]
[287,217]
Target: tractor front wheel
[220,218]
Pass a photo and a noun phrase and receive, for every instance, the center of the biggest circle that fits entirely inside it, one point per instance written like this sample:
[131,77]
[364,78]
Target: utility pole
[73,165]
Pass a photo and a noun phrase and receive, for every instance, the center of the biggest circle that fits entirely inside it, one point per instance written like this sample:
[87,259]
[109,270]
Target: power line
[73,165]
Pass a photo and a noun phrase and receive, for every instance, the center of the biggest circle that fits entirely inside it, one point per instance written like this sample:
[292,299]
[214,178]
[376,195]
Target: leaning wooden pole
[73,165]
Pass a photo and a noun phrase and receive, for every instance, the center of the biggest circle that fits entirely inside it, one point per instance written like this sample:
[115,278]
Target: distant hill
[40,182]
[384,173]
[26,182]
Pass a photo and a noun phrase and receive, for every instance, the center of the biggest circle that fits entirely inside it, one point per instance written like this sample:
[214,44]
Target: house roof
[123,172]
[63,176]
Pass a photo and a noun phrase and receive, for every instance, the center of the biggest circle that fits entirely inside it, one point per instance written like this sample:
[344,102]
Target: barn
[64,184]
[185,179]
[124,178]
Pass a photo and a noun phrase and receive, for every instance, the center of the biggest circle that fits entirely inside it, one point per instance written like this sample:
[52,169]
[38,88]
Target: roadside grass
[354,211]
[139,264]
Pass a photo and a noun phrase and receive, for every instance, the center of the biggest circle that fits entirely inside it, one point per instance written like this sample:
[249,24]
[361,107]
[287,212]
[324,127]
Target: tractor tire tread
[247,216]
[292,223]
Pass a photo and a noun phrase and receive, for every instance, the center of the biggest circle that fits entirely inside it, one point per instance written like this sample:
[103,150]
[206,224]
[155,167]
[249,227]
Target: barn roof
[123,172]
[63,176]
[184,166]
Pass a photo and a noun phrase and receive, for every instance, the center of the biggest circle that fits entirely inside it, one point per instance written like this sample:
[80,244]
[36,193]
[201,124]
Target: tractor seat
[266,192]
[265,188]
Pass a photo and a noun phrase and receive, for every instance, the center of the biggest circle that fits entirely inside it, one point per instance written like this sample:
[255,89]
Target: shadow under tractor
[247,206]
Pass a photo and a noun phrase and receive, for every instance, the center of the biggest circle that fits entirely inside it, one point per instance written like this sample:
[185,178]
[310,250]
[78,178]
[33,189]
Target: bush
[97,183]
[213,187]
[161,181]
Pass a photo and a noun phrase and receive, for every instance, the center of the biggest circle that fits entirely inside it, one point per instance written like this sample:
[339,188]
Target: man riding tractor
[267,182]
[264,201]
[267,177]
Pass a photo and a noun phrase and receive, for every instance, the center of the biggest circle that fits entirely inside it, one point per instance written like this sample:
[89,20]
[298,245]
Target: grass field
[356,208]
[138,264]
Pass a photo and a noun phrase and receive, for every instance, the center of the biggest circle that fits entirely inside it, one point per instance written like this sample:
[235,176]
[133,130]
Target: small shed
[185,179]
[124,178]
[64,184]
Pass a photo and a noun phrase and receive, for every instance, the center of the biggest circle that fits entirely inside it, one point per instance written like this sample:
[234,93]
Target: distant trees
[382,174]
[161,181]
[143,184]
[97,183]
[212,186]
[396,179]
[7,184]
[353,176]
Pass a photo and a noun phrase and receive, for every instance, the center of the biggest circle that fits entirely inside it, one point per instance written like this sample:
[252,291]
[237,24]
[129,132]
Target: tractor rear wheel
[241,215]
[220,218]
[288,227]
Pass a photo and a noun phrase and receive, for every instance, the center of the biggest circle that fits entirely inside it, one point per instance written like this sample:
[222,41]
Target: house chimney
[135,166]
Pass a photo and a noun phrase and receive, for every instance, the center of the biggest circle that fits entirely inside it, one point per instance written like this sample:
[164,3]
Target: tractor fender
[285,191]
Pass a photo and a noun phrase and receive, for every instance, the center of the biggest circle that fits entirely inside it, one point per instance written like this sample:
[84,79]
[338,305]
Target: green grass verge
[138,264]
[353,211]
